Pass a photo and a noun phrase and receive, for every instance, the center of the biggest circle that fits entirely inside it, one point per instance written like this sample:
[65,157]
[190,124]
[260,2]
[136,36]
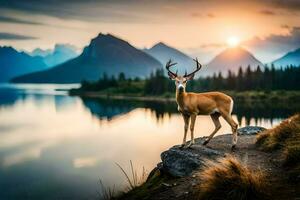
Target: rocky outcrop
[180,162]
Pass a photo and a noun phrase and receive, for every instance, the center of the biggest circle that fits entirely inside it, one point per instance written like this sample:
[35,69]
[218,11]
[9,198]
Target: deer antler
[199,66]
[168,65]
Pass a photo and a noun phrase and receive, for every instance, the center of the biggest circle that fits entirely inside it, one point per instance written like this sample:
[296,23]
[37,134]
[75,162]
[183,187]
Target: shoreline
[277,97]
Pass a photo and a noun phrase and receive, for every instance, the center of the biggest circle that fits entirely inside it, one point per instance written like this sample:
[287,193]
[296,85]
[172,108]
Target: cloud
[286,4]
[275,45]
[285,26]
[211,15]
[213,45]
[208,15]
[93,10]
[5,19]
[290,41]
[12,36]
[267,12]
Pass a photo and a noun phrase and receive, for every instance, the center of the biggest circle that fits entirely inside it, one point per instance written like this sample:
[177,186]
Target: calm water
[53,146]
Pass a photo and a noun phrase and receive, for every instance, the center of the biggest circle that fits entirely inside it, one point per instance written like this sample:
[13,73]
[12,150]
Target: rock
[166,185]
[182,162]
[250,130]
[156,172]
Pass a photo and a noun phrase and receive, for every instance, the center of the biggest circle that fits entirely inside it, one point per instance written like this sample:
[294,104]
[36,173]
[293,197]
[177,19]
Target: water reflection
[53,146]
[108,108]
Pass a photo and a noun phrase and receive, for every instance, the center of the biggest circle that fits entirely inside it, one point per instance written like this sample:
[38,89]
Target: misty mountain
[291,58]
[105,54]
[60,54]
[14,63]
[232,59]
[40,52]
[163,53]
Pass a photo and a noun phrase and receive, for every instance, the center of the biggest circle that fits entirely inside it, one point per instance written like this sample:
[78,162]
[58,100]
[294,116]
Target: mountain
[60,54]
[291,58]
[40,52]
[105,54]
[163,53]
[14,63]
[232,59]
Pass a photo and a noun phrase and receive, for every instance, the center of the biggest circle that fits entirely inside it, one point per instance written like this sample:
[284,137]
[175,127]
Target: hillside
[232,58]
[105,54]
[14,63]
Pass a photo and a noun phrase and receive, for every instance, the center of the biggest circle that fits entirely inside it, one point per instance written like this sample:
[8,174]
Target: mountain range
[111,55]
[60,54]
[105,54]
[14,63]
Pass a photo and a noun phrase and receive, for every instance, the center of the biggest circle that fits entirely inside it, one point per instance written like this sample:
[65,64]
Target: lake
[54,146]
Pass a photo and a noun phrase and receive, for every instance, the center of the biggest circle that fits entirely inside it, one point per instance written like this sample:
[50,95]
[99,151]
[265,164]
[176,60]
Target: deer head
[180,81]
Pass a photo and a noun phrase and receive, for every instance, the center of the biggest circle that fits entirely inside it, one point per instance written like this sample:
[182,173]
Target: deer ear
[190,77]
[171,76]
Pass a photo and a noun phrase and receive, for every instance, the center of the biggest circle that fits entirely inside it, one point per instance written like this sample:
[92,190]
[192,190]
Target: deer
[191,104]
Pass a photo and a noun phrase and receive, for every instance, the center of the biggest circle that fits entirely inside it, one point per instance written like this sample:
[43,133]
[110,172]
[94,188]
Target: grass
[134,180]
[280,136]
[153,184]
[228,179]
[106,193]
[284,138]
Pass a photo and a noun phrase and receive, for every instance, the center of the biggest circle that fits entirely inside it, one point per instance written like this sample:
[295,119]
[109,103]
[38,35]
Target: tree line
[158,83]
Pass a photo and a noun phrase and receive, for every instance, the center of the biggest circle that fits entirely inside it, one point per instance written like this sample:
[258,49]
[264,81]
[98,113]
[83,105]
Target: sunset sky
[268,28]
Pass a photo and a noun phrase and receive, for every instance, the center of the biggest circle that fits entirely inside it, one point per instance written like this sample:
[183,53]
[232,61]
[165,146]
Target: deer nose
[180,87]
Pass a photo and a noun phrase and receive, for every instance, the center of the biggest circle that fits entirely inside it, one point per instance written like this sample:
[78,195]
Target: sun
[233,41]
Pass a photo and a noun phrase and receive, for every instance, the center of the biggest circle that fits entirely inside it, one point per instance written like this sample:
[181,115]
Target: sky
[267,28]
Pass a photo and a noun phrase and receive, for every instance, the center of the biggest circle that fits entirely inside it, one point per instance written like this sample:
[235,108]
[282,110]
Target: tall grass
[286,139]
[106,193]
[280,136]
[228,179]
[134,180]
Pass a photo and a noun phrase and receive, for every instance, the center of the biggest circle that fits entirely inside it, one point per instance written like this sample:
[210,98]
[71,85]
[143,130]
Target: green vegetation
[230,179]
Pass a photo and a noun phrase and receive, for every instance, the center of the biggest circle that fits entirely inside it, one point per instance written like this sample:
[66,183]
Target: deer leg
[234,127]
[193,120]
[186,119]
[215,119]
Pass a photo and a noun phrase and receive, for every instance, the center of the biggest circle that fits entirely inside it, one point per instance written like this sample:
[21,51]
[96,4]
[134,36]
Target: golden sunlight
[233,41]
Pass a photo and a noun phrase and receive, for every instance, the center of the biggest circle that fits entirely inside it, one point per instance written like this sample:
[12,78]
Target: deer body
[203,103]
[191,104]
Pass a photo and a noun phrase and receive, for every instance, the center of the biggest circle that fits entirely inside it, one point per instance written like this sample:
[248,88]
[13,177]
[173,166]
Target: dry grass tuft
[291,150]
[229,179]
[277,137]
[286,138]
